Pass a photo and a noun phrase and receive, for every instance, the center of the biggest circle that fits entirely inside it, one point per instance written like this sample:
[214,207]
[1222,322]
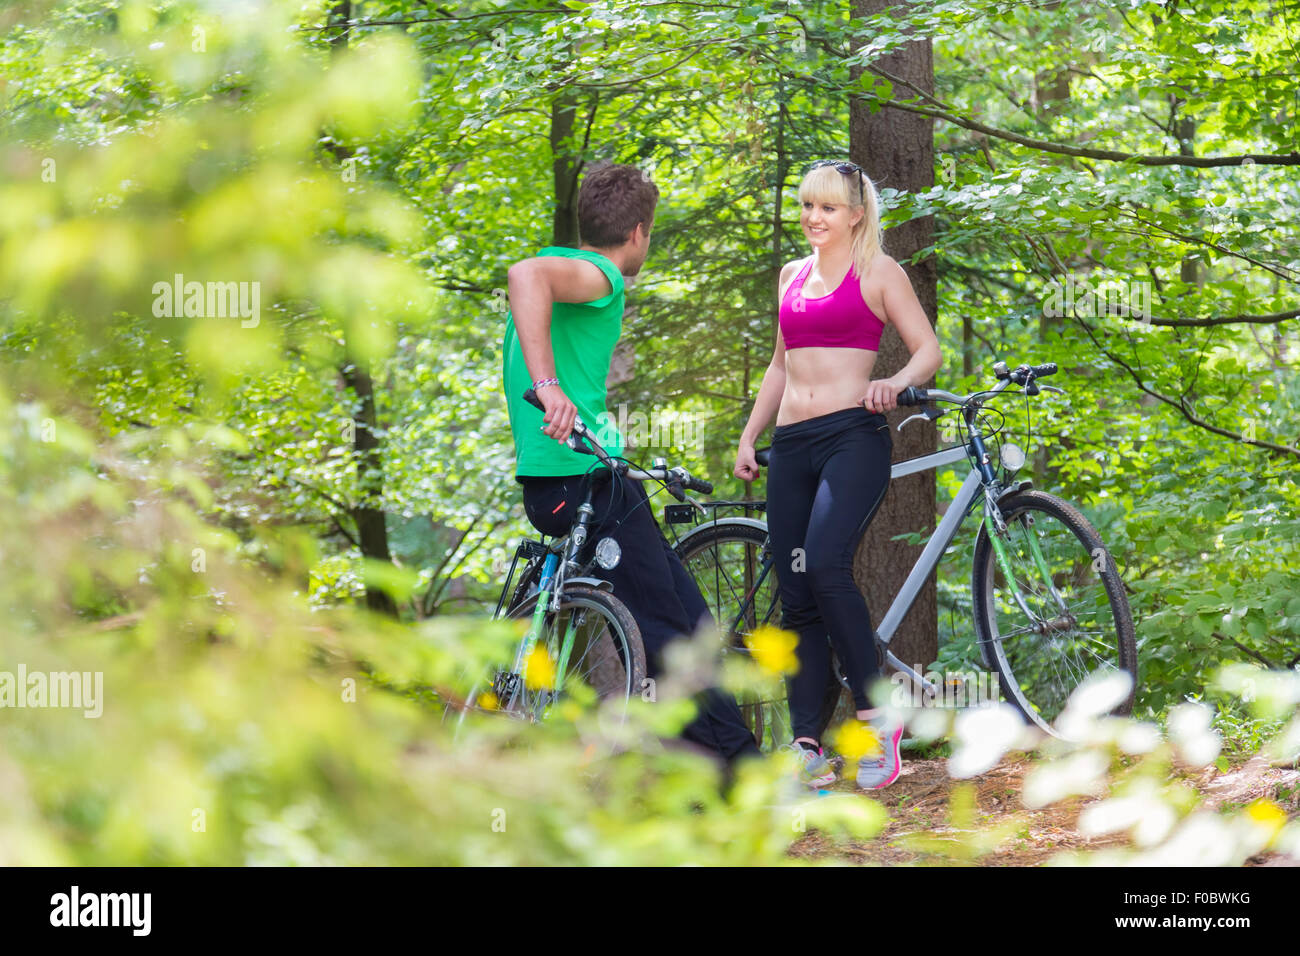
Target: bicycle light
[608,553]
[1012,458]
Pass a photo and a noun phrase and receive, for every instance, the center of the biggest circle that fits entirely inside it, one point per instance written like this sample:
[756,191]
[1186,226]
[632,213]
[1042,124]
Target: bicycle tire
[624,635]
[1024,685]
[766,719]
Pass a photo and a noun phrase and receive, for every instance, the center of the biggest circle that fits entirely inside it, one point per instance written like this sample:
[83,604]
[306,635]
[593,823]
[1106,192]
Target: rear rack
[529,550]
[689,514]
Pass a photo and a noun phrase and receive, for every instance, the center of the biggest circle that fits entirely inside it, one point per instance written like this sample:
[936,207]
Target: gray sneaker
[814,769]
[880,767]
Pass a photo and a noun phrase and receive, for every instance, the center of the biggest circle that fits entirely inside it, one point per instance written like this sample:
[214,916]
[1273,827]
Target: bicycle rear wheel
[605,651]
[1074,620]
[727,562]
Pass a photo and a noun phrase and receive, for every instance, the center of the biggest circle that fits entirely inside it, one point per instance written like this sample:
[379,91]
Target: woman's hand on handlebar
[882,395]
[746,465]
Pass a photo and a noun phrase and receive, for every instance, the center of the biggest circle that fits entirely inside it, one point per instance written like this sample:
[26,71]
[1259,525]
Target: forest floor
[921,828]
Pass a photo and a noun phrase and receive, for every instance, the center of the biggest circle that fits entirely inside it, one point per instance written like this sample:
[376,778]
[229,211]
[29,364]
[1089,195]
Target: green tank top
[583,336]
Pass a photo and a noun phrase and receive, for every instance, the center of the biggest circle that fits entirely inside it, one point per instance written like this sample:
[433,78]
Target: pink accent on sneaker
[896,738]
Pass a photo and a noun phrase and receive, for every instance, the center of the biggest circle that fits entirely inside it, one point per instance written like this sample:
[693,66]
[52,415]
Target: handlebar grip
[575,440]
[700,485]
[1043,370]
[761,455]
[913,396]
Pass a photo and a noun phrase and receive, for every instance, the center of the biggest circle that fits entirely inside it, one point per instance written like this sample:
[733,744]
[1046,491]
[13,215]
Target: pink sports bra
[839,320]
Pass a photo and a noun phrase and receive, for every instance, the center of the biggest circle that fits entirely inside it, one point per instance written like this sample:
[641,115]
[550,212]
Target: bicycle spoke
[716,562]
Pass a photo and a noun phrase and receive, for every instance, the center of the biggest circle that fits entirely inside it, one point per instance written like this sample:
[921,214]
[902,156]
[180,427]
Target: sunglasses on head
[848,169]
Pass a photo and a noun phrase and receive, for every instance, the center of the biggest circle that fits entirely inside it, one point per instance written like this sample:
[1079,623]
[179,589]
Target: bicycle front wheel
[604,650]
[1059,617]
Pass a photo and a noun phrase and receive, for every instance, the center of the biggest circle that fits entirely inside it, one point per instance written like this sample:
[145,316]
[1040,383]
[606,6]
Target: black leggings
[826,478]
[649,579]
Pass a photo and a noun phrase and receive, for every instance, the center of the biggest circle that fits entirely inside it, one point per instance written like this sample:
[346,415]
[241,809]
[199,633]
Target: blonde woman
[830,458]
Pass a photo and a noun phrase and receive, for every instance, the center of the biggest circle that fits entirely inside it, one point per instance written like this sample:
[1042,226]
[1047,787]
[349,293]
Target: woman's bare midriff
[819,381]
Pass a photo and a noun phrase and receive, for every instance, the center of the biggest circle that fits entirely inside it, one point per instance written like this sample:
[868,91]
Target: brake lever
[929,414]
[1052,388]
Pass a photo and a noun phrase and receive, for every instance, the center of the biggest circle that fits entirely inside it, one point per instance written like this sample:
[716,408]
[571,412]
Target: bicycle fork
[999,527]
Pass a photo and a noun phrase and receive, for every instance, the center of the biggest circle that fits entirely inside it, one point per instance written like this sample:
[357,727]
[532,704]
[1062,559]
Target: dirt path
[922,828]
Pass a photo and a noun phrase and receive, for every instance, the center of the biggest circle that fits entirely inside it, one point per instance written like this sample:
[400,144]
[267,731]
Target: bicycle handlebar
[1021,375]
[700,485]
[676,479]
[1024,373]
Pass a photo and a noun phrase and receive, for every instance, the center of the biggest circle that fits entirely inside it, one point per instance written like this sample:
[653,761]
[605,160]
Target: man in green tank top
[582,336]
[566,316]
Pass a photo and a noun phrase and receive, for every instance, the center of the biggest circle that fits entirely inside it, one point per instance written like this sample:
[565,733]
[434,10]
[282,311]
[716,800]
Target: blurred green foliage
[182,490]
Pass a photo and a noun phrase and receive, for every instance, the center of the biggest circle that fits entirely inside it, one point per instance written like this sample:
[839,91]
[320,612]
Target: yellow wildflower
[773,649]
[539,671]
[855,739]
[1268,814]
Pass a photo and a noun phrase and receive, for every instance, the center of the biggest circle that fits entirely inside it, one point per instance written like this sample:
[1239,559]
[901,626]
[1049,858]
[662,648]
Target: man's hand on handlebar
[559,412]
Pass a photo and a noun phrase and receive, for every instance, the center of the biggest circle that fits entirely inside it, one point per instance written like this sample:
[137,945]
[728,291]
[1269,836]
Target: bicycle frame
[934,549]
[982,479]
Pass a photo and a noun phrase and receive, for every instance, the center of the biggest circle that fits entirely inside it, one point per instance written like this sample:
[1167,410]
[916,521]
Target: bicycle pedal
[505,686]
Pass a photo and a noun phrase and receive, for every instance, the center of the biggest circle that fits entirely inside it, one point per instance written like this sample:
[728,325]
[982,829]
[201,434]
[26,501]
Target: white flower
[1079,773]
[1189,726]
[983,735]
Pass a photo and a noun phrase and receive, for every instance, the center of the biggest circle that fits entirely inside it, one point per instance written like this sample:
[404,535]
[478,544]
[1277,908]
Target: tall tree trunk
[896,148]
[1183,128]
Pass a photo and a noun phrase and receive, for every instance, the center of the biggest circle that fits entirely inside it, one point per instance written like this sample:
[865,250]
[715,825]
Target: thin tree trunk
[368,514]
[1051,98]
[565,168]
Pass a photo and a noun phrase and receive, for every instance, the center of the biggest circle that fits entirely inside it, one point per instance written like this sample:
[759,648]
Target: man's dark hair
[611,201]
